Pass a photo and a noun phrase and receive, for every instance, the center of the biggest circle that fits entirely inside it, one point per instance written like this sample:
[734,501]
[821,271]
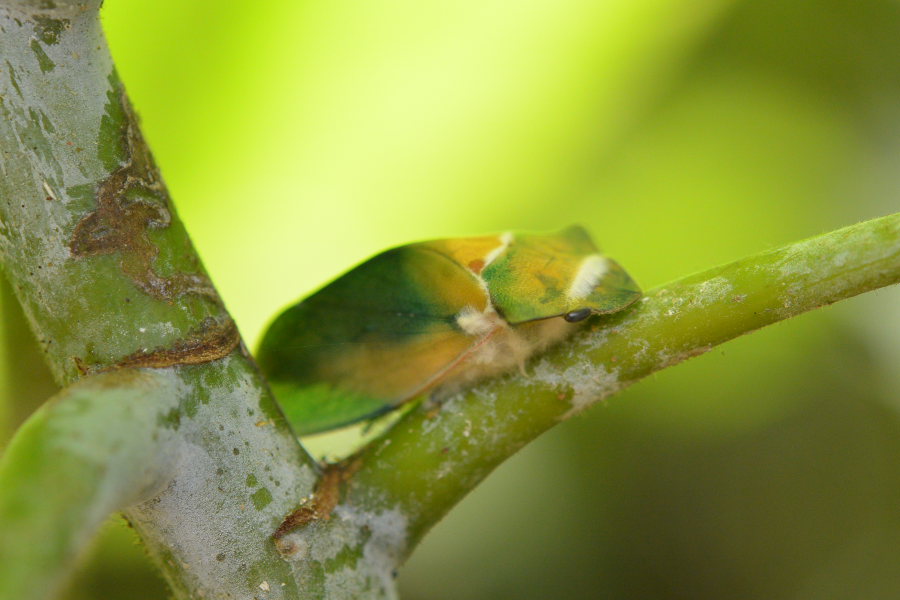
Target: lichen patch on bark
[48,28]
[131,202]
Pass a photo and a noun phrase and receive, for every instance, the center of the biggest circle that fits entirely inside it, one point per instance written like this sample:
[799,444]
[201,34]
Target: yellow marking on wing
[472,253]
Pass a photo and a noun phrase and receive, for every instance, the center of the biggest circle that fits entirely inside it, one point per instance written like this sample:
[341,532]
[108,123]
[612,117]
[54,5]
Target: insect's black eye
[577,315]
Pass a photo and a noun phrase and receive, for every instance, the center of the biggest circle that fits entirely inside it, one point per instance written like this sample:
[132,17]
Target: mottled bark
[165,416]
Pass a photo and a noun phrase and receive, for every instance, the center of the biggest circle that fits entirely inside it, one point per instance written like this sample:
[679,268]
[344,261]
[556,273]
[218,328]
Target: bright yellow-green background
[297,138]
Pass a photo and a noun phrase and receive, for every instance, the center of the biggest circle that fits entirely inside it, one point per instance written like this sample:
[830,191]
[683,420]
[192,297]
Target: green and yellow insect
[434,315]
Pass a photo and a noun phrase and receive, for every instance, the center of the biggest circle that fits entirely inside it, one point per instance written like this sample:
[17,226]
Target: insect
[436,315]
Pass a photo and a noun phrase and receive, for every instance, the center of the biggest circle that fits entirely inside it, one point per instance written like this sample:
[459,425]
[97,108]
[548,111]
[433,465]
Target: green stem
[67,469]
[425,464]
[25,381]
[95,253]
[108,280]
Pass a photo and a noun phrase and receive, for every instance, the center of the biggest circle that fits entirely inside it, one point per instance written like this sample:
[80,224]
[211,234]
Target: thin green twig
[94,448]
[425,464]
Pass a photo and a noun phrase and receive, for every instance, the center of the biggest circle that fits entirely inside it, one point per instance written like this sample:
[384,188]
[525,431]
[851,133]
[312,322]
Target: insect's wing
[541,276]
[370,339]
[472,253]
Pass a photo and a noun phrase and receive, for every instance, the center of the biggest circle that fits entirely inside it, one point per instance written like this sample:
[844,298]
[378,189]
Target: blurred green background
[298,138]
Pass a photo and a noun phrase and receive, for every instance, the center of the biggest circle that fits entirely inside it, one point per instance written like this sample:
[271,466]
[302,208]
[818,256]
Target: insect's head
[601,287]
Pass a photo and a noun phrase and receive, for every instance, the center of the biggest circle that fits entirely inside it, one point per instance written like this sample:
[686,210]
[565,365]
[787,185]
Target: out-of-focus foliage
[298,138]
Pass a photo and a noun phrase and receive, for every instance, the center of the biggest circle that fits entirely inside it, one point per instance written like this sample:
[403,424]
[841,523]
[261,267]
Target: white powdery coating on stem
[806,257]
[837,249]
[713,290]
[380,559]
[233,486]
[704,293]
[588,382]
[358,550]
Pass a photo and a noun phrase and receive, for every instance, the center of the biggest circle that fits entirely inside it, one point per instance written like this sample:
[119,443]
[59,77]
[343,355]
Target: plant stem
[67,469]
[26,381]
[109,281]
[425,464]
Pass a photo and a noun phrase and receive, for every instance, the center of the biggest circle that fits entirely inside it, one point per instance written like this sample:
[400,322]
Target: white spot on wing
[474,322]
[591,270]
[505,240]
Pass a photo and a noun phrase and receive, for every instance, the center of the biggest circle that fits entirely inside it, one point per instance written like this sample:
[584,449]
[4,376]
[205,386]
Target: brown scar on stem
[324,498]
[120,224]
[211,341]
[83,368]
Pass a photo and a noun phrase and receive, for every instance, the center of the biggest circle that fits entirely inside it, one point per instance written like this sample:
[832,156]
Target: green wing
[370,340]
